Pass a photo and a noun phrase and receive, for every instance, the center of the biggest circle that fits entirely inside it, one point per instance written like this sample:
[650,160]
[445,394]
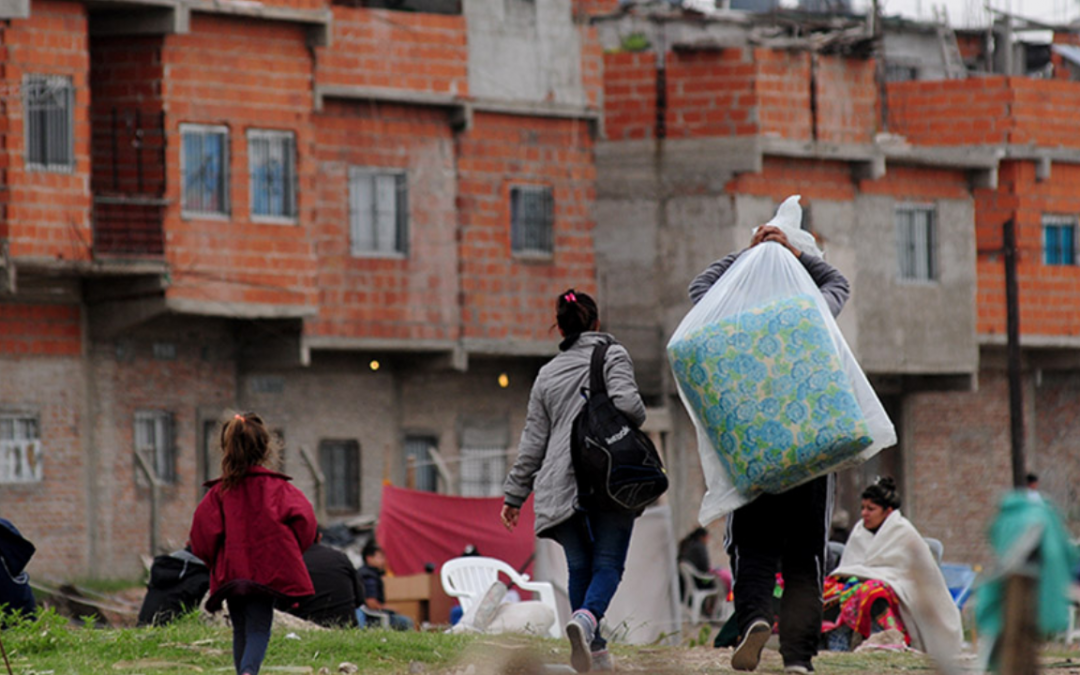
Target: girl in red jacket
[251,529]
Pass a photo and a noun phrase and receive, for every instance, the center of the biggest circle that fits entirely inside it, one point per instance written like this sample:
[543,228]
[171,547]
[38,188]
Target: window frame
[293,185]
[169,453]
[483,455]
[426,470]
[933,270]
[349,444]
[36,473]
[402,212]
[226,177]
[1058,222]
[518,248]
[46,165]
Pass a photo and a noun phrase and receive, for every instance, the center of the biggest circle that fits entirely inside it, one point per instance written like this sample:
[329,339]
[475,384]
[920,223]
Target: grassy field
[51,645]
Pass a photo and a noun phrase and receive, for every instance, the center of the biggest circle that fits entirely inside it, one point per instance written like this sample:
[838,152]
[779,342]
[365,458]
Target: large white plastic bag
[764,341]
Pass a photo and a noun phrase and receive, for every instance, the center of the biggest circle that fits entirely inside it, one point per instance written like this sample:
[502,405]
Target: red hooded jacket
[253,537]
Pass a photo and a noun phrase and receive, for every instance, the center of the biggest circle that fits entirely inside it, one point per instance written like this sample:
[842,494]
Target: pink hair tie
[570,297]
[239,417]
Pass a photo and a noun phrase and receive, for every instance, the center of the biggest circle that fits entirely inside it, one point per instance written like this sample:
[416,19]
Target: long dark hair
[245,443]
[883,493]
[575,313]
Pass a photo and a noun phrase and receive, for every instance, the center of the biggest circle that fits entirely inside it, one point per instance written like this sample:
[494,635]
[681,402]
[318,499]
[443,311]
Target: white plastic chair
[468,578]
[696,597]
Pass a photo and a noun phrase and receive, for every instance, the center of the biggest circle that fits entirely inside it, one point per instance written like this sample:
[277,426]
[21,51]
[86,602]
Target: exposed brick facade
[249,261]
[383,48]
[40,330]
[412,295]
[48,210]
[507,296]
[741,92]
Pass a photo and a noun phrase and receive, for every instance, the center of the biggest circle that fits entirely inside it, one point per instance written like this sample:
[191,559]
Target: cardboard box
[413,587]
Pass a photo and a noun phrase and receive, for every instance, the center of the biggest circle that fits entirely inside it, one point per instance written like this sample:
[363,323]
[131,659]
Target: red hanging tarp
[416,528]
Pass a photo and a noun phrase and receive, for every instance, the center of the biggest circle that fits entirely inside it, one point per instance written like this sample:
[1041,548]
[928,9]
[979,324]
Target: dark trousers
[783,533]
[251,616]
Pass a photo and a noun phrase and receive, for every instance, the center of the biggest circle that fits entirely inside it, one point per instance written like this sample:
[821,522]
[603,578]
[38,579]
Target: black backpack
[616,465]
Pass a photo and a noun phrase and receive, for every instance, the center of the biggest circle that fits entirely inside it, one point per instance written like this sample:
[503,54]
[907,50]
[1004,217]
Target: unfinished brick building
[710,122]
[353,220]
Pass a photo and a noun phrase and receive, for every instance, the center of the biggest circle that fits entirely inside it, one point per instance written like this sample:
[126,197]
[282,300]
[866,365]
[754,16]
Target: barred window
[154,440]
[340,464]
[20,449]
[418,455]
[1059,240]
[378,212]
[204,169]
[532,220]
[272,162]
[916,242]
[48,101]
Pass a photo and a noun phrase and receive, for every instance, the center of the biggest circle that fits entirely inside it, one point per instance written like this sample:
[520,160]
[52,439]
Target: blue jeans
[397,621]
[251,616]
[596,545]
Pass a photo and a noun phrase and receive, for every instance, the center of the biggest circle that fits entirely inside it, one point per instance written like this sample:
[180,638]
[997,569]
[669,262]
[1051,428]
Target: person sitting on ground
[15,553]
[888,578]
[178,582]
[338,592]
[374,592]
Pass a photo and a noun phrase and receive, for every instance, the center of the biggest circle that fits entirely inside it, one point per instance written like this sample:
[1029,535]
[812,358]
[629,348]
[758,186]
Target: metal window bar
[532,219]
[1059,240]
[418,449]
[482,471]
[48,101]
[340,464]
[273,174]
[204,171]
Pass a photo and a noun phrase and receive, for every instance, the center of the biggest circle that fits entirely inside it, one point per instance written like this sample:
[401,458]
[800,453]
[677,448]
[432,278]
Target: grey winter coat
[543,460]
[832,284]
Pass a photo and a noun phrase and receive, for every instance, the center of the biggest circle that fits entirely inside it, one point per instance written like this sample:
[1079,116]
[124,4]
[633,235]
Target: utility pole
[1012,319]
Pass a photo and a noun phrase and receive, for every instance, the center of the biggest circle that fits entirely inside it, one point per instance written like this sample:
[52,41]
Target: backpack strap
[596,369]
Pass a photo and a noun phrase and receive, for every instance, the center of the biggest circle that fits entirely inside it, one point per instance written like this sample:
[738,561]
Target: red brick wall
[595,7]
[712,93]
[846,99]
[592,64]
[815,179]
[140,382]
[958,461]
[1044,112]
[241,260]
[783,87]
[128,143]
[918,183]
[951,112]
[48,212]
[629,95]
[403,50]
[737,92]
[52,512]
[410,297]
[40,330]
[506,297]
[1049,294]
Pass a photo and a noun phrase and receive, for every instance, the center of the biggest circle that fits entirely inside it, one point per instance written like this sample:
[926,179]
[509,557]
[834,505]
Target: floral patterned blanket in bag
[768,387]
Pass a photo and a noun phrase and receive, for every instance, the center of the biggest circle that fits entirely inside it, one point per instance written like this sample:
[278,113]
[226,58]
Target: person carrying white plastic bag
[779,402]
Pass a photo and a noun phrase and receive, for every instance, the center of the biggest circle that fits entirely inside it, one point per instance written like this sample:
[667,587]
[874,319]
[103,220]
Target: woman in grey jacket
[595,542]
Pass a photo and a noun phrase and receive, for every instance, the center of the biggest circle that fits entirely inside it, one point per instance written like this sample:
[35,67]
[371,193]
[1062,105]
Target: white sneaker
[602,661]
[748,654]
